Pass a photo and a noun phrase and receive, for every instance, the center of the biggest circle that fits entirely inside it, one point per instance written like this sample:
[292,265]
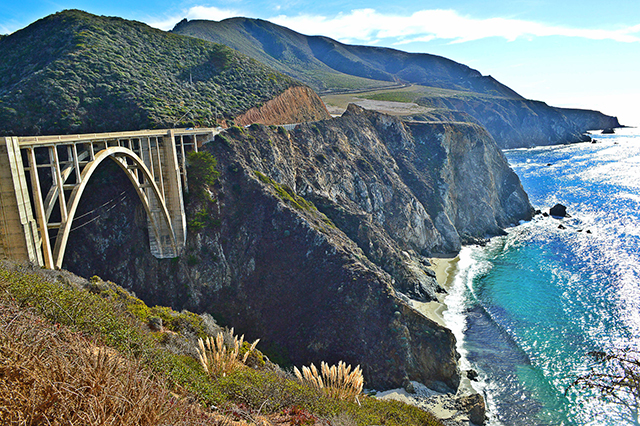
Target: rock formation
[558,210]
[314,240]
[295,105]
[523,123]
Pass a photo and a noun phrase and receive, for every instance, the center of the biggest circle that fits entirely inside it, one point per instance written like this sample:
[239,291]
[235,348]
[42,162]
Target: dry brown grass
[52,376]
[337,381]
[219,358]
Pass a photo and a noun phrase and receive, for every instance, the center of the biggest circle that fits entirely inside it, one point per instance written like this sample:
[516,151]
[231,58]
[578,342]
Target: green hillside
[330,66]
[75,72]
[77,351]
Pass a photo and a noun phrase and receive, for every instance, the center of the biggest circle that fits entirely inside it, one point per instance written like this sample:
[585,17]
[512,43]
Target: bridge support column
[19,236]
[160,156]
[173,190]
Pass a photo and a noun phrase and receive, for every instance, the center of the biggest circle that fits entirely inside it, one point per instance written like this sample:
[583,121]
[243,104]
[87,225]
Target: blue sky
[570,53]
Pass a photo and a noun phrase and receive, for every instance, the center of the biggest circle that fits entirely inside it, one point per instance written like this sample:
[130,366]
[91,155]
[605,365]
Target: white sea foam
[456,302]
[468,268]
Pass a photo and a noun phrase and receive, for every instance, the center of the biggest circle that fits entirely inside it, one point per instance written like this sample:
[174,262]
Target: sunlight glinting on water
[527,308]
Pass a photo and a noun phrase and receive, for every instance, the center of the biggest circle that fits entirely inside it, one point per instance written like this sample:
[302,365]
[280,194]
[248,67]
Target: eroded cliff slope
[315,239]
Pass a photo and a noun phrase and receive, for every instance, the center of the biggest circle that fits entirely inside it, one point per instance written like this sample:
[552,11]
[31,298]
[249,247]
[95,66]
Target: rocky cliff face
[522,123]
[590,120]
[314,240]
[295,105]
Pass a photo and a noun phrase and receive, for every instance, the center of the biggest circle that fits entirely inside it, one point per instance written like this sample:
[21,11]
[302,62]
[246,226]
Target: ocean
[528,307]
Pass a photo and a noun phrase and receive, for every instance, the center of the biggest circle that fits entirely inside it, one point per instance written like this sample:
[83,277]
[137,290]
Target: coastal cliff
[329,66]
[523,123]
[314,240]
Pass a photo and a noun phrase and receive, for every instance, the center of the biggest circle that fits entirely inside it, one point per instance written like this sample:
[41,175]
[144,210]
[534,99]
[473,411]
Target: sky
[567,53]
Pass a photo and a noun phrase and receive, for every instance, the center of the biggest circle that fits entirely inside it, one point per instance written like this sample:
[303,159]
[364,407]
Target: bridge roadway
[42,179]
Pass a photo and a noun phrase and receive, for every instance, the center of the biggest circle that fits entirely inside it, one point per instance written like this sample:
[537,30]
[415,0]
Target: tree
[616,376]
[201,171]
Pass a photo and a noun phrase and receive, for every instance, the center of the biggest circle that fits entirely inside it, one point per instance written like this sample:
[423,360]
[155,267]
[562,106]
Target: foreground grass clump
[337,381]
[51,375]
[70,353]
[220,359]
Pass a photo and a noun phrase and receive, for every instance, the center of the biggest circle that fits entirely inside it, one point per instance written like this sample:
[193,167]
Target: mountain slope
[328,65]
[75,72]
[315,239]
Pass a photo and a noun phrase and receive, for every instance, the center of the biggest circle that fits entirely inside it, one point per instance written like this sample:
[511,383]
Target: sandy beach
[445,269]
[442,405]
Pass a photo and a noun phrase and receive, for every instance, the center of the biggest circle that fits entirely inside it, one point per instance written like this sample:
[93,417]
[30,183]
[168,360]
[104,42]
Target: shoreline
[445,269]
[443,406]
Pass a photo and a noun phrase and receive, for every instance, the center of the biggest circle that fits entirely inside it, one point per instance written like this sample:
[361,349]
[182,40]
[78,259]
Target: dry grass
[52,376]
[219,358]
[337,381]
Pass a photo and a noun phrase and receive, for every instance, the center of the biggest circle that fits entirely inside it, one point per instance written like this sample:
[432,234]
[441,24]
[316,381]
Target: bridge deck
[26,141]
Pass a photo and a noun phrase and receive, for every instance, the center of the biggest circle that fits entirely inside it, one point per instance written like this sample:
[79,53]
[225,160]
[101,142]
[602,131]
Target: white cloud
[367,25]
[197,12]
[210,13]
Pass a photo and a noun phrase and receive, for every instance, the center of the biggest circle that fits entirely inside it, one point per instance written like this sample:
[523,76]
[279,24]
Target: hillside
[331,67]
[87,352]
[74,72]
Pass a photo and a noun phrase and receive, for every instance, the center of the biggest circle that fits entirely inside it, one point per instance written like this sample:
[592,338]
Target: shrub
[51,375]
[616,377]
[105,314]
[201,171]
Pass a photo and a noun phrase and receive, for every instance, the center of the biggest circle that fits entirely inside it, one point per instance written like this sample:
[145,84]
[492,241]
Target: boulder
[474,406]
[559,211]
[472,375]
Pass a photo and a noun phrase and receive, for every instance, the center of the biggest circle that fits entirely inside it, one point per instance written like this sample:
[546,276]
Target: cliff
[329,66]
[590,120]
[295,105]
[523,123]
[314,240]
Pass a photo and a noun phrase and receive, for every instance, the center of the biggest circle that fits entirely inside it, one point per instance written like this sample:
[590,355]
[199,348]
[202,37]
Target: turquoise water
[528,307]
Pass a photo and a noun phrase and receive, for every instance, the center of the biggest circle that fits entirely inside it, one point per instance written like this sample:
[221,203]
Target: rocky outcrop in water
[315,239]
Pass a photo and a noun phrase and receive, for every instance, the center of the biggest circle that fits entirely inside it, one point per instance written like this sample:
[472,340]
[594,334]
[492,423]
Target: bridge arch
[147,190]
[153,160]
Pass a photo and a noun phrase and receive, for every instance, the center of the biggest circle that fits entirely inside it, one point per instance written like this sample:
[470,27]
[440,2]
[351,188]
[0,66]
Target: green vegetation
[278,49]
[201,171]
[108,315]
[287,194]
[332,67]
[391,96]
[74,72]
[202,219]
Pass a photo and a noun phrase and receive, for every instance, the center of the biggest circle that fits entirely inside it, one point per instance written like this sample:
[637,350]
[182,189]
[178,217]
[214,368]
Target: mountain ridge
[299,55]
[333,67]
[74,72]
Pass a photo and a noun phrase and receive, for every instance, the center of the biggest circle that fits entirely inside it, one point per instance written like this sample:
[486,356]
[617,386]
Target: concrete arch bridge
[42,180]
